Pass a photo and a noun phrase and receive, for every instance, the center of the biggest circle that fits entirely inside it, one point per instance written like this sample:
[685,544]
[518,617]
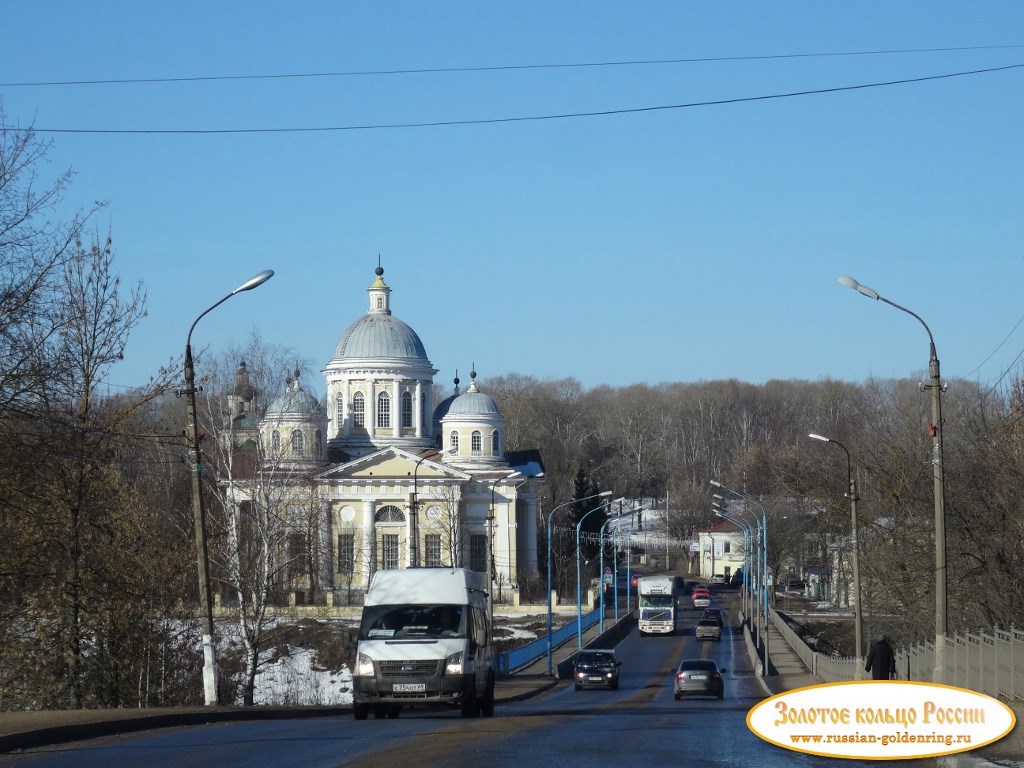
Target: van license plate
[409,687]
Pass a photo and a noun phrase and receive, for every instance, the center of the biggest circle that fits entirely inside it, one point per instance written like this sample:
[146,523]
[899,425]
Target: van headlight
[453,664]
[364,666]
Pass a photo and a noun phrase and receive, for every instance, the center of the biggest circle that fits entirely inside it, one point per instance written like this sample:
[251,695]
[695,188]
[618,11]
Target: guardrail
[517,658]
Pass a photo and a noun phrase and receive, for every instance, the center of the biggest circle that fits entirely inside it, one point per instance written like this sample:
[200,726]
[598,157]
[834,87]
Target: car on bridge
[596,668]
[701,597]
[699,677]
[708,629]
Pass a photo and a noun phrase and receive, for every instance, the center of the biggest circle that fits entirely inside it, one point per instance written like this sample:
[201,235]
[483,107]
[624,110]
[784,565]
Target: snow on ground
[294,681]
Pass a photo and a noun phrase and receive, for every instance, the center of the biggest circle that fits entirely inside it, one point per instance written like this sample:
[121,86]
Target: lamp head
[716,483]
[819,437]
[849,282]
[254,281]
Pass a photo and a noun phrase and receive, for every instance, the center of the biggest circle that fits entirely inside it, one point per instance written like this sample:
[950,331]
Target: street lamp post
[490,542]
[615,572]
[749,542]
[935,432]
[551,516]
[759,572]
[579,576]
[414,535]
[198,510]
[851,484]
[763,524]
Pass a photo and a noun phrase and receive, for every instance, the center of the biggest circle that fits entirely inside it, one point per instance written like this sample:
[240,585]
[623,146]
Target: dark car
[714,614]
[699,677]
[596,668]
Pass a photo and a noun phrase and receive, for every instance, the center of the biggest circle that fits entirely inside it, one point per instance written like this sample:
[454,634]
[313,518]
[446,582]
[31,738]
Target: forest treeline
[98,585]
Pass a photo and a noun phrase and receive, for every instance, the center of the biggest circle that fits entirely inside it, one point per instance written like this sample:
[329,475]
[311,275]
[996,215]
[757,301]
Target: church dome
[472,402]
[445,405]
[379,334]
[295,401]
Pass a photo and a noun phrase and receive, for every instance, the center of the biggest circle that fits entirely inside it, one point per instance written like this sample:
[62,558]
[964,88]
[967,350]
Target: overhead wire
[507,67]
[531,118]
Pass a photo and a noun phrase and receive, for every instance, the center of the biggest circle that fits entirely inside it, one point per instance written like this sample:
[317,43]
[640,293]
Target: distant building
[721,550]
[372,477]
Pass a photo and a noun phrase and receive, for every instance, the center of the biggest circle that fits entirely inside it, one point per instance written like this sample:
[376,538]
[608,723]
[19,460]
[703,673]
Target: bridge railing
[523,656]
[988,662]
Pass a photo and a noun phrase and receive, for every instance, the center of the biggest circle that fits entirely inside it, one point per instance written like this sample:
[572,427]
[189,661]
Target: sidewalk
[787,672]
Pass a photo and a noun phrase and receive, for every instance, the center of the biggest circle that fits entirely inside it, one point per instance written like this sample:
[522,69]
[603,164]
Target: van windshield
[412,621]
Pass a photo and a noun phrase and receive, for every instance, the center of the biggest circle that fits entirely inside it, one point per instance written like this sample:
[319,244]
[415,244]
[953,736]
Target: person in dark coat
[881,662]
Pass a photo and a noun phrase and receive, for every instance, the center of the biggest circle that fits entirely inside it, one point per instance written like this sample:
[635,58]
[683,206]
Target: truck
[424,640]
[657,605]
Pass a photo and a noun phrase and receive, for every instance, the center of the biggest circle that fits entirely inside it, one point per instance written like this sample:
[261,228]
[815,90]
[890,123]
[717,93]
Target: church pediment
[392,463]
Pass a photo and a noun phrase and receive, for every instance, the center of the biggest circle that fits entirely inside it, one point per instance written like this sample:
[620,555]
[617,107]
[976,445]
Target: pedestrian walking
[881,662]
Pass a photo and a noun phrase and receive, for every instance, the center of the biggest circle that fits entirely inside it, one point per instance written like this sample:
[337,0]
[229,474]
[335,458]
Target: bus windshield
[412,621]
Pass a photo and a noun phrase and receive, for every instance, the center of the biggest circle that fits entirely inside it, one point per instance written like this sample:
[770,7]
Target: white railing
[988,662]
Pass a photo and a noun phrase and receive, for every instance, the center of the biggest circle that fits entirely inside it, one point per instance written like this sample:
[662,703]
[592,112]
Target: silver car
[709,629]
[699,677]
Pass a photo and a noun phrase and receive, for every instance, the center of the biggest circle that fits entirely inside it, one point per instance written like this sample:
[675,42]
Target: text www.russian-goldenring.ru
[948,739]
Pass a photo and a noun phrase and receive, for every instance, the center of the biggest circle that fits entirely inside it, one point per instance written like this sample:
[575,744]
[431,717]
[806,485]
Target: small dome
[473,402]
[443,407]
[294,402]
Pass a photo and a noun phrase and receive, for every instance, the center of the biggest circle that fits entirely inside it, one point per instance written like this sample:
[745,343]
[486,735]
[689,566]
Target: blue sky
[672,244]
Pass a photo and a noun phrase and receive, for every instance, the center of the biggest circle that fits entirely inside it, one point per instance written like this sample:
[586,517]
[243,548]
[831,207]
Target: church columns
[529,534]
[417,406]
[396,408]
[369,539]
[327,539]
[371,408]
[346,398]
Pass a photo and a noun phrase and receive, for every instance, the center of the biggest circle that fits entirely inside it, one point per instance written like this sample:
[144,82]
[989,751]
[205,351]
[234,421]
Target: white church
[375,476]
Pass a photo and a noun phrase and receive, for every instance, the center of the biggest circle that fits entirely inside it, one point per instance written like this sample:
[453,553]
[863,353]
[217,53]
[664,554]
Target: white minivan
[424,640]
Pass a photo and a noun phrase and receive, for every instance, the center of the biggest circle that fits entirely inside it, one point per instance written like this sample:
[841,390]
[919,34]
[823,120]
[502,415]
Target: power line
[505,68]
[528,118]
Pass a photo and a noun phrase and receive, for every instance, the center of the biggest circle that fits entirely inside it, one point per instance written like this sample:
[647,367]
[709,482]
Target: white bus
[424,640]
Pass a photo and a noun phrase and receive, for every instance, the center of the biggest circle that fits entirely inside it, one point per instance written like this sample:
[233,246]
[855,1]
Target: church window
[453,442]
[297,555]
[359,409]
[383,410]
[339,412]
[476,443]
[346,553]
[389,514]
[389,551]
[496,443]
[432,550]
[298,442]
[318,443]
[407,410]
[380,302]
[275,442]
[478,553]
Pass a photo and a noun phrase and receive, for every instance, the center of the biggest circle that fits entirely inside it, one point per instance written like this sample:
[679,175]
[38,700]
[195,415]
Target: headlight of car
[364,666]
[453,664]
